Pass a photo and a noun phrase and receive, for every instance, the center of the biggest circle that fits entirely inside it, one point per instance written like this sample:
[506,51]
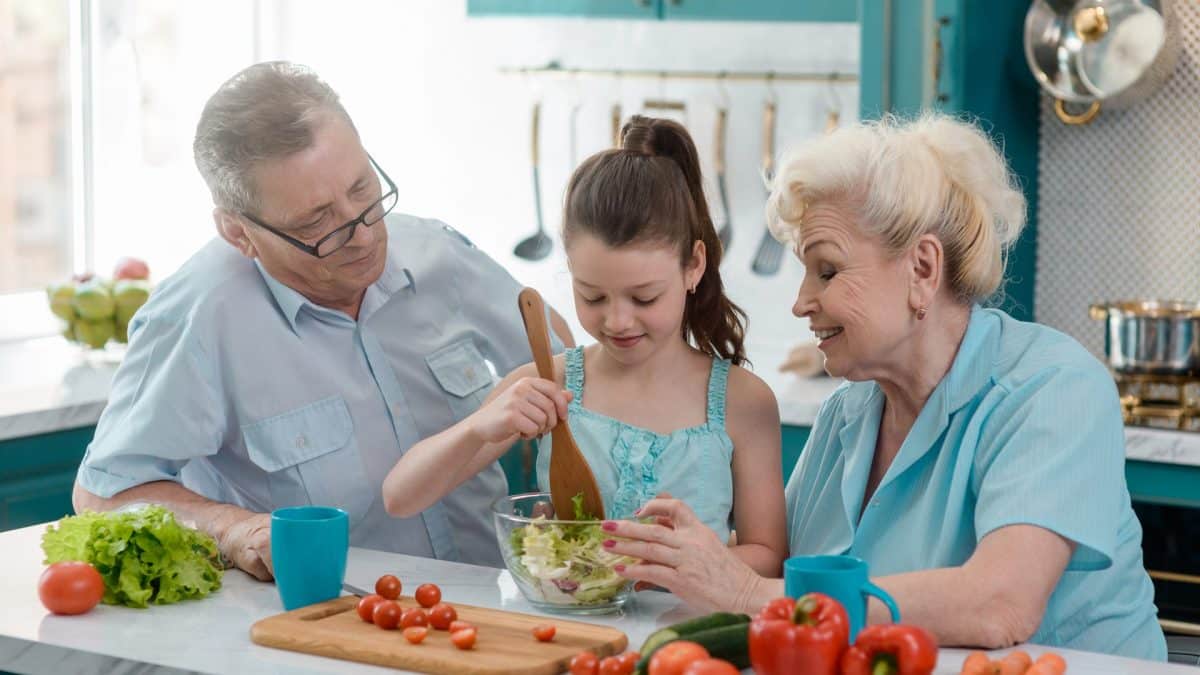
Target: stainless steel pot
[1093,52]
[1159,337]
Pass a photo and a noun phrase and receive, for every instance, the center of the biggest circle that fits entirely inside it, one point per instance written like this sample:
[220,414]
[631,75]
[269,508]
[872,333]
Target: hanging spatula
[770,251]
[725,229]
[570,474]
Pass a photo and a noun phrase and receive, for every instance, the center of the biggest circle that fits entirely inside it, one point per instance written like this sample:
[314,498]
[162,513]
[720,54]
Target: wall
[422,82]
[1120,198]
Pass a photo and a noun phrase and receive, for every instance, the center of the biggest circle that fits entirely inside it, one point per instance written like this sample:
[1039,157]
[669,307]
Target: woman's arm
[996,599]
[520,406]
[758,511]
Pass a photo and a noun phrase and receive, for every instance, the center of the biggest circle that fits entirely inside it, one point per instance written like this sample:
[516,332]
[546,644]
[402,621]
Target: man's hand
[247,544]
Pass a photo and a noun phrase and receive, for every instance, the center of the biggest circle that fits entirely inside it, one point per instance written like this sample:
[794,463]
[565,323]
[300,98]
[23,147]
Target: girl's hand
[685,557]
[529,408]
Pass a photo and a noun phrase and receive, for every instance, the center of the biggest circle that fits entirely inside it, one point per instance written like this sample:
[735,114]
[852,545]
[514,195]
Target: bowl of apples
[96,311]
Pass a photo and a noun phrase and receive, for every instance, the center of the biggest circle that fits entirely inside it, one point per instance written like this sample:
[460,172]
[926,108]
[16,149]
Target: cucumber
[680,630]
[729,642]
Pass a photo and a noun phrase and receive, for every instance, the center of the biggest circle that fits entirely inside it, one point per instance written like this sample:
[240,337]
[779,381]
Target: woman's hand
[529,408]
[680,553]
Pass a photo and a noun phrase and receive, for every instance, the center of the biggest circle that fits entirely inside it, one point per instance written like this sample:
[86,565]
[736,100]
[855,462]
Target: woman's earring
[692,290]
[921,314]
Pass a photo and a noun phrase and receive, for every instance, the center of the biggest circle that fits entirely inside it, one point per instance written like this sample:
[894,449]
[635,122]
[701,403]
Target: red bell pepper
[799,636]
[891,649]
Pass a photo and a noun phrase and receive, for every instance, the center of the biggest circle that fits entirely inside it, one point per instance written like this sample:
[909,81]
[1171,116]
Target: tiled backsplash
[1119,200]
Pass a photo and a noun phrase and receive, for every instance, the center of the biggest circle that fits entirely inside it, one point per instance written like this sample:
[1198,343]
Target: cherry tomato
[630,660]
[428,595]
[1015,663]
[366,607]
[1053,662]
[388,586]
[70,587]
[459,624]
[674,657]
[463,639]
[387,614]
[711,667]
[413,616]
[415,634]
[544,632]
[611,665]
[441,615]
[584,663]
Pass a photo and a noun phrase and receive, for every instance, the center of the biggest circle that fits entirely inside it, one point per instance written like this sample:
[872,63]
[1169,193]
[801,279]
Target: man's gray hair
[267,111]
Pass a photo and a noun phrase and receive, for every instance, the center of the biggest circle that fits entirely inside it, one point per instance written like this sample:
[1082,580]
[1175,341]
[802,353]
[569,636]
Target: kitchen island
[213,635]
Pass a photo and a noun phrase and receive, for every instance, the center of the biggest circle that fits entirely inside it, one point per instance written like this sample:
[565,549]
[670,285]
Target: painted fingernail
[609,543]
[609,526]
[619,568]
[638,512]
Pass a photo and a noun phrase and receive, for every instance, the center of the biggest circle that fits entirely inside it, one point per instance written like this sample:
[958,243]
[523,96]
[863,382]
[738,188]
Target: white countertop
[213,635]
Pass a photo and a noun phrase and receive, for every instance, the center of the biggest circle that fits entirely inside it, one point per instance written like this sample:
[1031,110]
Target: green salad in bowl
[559,564]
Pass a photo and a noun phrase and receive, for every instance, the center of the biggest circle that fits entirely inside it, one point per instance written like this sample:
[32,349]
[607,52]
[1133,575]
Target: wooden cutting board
[505,642]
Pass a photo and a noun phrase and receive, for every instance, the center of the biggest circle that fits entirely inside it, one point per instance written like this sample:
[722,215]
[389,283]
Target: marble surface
[48,384]
[213,635]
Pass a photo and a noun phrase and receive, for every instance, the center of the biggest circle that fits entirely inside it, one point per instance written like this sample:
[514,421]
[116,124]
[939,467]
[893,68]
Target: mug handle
[871,589]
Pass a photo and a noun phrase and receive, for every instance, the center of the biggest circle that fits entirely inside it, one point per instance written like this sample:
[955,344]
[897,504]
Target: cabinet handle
[938,55]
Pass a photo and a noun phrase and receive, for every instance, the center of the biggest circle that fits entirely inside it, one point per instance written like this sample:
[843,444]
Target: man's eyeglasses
[335,240]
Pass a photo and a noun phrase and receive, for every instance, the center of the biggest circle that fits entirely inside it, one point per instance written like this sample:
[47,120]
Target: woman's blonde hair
[903,179]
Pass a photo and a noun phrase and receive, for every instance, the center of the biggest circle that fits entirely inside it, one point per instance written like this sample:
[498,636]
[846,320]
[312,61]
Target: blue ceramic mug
[308,550]
[841,577]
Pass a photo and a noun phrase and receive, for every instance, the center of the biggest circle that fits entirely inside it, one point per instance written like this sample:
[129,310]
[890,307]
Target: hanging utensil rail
[554,69]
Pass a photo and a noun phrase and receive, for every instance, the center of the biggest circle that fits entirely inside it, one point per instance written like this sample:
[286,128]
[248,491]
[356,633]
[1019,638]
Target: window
[36,238]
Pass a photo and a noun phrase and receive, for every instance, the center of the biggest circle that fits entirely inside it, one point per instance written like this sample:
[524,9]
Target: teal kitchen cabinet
[704,10]
[37,474]
[965,58]
[601,9]
[761,10]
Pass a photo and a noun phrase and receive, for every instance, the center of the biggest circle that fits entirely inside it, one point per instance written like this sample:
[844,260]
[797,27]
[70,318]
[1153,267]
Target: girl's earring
[692,290]
[921,314]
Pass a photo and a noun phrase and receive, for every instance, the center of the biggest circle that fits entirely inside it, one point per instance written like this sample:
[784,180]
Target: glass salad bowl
[559,565]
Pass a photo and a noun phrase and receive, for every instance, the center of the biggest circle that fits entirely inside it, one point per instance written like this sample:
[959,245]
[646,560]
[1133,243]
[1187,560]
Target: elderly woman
[976,462]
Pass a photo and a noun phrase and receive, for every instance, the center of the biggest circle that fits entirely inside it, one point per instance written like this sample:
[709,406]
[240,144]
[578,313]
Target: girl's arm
[752,420]
[522,405]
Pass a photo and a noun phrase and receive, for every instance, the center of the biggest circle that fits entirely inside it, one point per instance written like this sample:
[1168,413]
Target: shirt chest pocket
[311,457]
[463,375]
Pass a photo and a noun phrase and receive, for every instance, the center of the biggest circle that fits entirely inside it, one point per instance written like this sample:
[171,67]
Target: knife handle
[768,149]
[719,142]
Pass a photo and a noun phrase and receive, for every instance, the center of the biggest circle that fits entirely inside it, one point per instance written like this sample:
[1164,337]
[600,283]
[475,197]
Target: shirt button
[301,441]
[470,373]
[875,503]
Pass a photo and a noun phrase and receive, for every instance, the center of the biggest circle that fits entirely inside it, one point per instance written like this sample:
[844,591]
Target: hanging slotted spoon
[537,245]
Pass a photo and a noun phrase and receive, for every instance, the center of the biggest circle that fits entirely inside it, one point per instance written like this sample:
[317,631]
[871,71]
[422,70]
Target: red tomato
[415,634]
[674,657]
[387,614]
[428,595]
[458,625]
[463,639]
[441,615]
[630,660]
[711,667]
[413,616]
[366,607]
[611,665]
[584,663]
[388,586]
[70,587]
[544,632]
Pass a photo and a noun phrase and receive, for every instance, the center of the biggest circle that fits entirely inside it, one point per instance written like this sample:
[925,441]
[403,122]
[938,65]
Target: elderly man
[301,370]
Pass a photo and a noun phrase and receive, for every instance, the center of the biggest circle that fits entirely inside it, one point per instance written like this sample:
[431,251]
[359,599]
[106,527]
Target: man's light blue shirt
[1025,428]
[241,389]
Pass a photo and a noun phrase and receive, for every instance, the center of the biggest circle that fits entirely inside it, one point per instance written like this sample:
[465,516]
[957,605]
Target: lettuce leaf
[145,556]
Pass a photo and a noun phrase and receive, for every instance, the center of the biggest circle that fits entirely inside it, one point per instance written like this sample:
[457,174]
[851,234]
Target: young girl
[661,403]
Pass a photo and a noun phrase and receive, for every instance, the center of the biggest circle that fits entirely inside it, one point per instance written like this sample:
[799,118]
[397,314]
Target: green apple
[68,331]
[95,333]
[60,296]
[122,330]
[130,294]
[94,301]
